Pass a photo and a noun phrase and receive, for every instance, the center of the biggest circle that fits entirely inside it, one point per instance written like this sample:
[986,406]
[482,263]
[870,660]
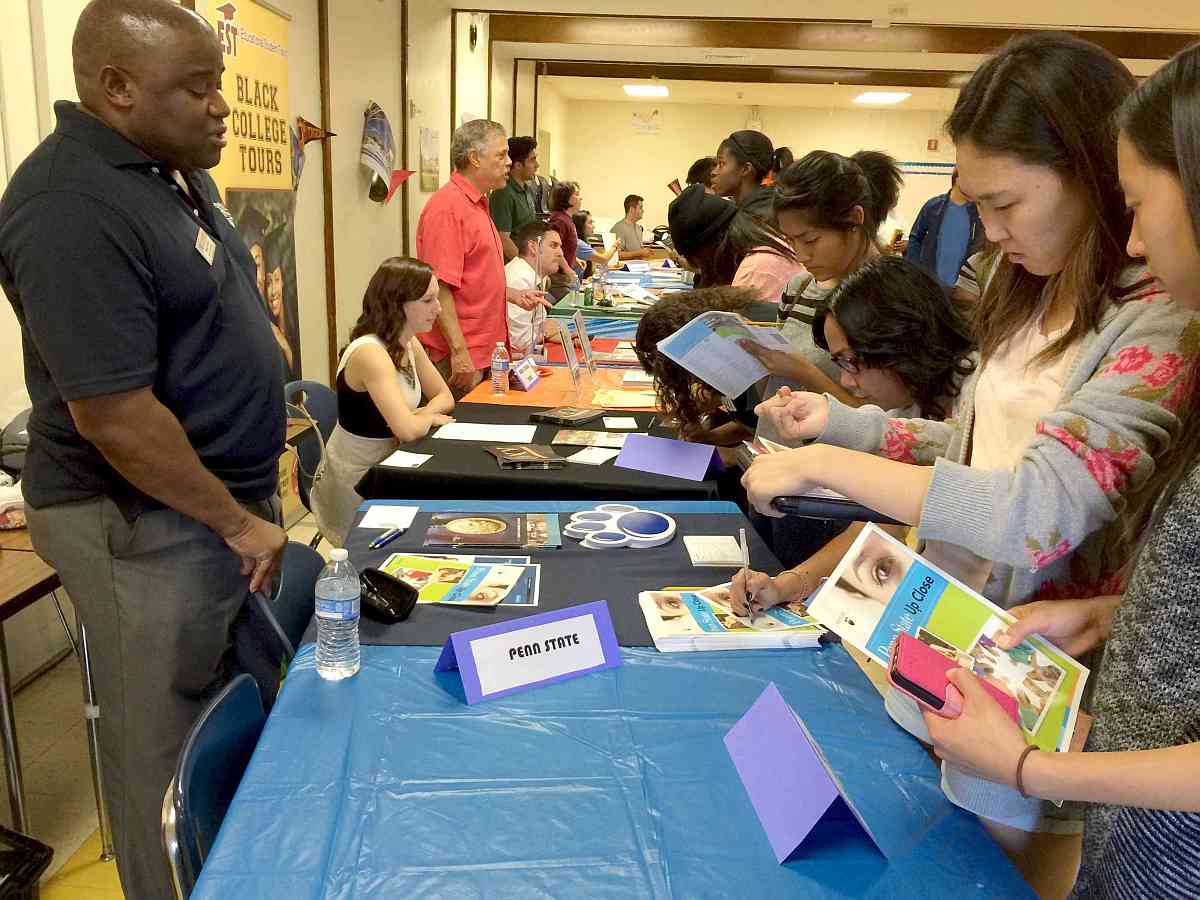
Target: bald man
[158,412]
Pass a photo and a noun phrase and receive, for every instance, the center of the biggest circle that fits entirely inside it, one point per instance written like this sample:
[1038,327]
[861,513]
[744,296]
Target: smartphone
[918,670]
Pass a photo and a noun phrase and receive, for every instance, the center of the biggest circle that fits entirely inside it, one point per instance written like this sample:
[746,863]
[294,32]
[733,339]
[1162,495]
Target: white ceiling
[809,96]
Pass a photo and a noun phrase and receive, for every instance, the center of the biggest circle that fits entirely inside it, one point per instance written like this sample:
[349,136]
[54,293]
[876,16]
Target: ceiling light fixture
[882,98]
[646,90]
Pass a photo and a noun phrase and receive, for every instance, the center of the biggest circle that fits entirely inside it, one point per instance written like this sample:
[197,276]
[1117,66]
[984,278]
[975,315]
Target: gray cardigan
[1051,526]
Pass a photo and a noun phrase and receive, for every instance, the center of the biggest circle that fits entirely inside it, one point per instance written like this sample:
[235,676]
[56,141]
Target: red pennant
[399,176]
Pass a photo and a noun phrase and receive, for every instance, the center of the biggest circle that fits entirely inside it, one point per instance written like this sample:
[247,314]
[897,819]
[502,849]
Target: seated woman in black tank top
[382,377]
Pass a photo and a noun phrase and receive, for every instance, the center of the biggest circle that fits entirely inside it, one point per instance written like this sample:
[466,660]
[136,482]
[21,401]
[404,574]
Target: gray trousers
[158,597]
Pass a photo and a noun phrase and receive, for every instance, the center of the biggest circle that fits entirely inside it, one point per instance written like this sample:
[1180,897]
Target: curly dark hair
[682,395]
[397,281]
[897,316]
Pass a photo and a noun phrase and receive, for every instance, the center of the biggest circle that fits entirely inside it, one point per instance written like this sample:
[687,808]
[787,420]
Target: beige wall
[470,68]
[552,120]
[601,150]
[428,92]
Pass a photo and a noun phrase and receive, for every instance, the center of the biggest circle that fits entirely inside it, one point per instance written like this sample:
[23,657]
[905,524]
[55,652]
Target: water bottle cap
[337,554]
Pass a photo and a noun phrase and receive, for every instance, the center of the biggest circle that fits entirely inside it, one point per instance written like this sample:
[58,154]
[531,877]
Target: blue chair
[267,632]
[321,404]
[293,608]
[211,764]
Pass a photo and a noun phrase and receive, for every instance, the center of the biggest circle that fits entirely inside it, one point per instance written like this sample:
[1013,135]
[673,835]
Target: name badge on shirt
[205,245]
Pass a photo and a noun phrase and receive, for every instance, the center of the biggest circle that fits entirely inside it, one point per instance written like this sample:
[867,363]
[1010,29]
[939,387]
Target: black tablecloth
[570,576]
[464,470]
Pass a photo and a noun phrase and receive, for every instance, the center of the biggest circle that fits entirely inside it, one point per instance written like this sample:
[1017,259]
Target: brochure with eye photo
[882,588]
[684,620]
[489,529]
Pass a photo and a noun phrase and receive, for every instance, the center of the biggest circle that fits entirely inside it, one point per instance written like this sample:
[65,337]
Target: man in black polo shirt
[158,411]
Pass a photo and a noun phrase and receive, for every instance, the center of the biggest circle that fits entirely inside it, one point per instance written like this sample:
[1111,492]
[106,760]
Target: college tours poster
[255,172]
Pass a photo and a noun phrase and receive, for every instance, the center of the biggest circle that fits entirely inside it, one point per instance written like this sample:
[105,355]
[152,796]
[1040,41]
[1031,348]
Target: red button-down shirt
[455,235]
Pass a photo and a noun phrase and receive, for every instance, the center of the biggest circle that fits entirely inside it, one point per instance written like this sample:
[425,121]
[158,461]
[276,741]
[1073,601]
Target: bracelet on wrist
[1020,770]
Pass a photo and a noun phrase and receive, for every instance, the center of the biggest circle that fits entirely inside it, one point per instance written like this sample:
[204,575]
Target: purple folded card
[507,657]
[790,783]
[664,456]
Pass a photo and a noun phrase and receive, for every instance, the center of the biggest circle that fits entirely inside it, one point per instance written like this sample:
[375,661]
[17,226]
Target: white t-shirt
[523,324]
[1013,393]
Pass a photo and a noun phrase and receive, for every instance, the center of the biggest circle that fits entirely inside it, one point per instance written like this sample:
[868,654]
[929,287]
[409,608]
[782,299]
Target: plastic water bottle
[337,618]
[500,365]
[600,288]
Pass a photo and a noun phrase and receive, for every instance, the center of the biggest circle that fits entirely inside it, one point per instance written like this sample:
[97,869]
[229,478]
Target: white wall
[552,119]
[602,151]
[502,86]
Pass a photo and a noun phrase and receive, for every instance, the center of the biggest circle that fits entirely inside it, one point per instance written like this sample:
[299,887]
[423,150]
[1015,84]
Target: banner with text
[255,173]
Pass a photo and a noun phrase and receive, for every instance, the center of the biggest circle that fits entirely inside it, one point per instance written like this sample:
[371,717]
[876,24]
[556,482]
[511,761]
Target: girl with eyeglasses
[903,344]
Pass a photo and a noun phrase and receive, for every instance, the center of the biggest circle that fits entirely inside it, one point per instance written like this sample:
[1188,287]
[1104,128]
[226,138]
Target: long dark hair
[398,280]
[825,187]
[682,394]
[1048,100]
[717,261]
[896,316]
[1162,121]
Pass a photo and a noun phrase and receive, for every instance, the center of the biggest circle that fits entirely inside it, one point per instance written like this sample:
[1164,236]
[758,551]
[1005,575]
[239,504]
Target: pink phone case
[919,671]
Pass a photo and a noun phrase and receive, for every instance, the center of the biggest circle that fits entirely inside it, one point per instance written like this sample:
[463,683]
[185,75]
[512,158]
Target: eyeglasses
[847,362]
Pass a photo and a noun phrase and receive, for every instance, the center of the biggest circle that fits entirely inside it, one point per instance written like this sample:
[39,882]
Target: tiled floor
[58,788]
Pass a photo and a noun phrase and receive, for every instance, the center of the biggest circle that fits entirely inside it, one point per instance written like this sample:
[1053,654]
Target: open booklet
[882,587]
[704,620]
[468,580]
[713,347]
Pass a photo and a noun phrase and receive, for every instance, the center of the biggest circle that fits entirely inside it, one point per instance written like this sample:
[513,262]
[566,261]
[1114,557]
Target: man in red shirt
[456,236]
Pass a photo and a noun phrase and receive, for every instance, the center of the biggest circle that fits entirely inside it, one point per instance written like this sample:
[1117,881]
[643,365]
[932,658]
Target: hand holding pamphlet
[720,348]
[882,588]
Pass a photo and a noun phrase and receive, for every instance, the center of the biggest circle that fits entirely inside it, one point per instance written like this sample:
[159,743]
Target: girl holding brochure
[1141,771]
[902,343]
[1024,494]
[381,378]
[829,208]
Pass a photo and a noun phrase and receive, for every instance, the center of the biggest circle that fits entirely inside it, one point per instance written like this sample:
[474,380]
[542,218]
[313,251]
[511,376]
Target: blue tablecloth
[612,785]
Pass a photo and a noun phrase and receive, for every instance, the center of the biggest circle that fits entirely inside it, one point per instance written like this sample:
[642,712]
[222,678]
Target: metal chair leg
[91,712]
[8,732]
[91,715]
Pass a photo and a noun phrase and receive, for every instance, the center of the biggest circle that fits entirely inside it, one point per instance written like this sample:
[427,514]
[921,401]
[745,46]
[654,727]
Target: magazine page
[882,587]
[713,348]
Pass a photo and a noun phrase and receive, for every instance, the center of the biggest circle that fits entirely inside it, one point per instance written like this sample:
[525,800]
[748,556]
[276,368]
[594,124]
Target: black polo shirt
[121,280]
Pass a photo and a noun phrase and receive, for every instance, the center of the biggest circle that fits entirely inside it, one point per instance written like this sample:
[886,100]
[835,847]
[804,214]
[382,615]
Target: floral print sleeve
[1087,457]
[871,430]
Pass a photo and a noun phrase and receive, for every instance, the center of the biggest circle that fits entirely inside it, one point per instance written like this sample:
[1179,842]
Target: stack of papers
[703,620]
[637,379]
[575,438]
[505,434]
[402,459]
[386,516]
[593,456]
[717,550]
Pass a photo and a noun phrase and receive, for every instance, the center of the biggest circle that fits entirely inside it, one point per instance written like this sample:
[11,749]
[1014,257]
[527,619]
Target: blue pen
[386,538]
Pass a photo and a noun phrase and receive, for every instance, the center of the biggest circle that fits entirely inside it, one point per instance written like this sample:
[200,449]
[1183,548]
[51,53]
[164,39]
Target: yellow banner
[254,40]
